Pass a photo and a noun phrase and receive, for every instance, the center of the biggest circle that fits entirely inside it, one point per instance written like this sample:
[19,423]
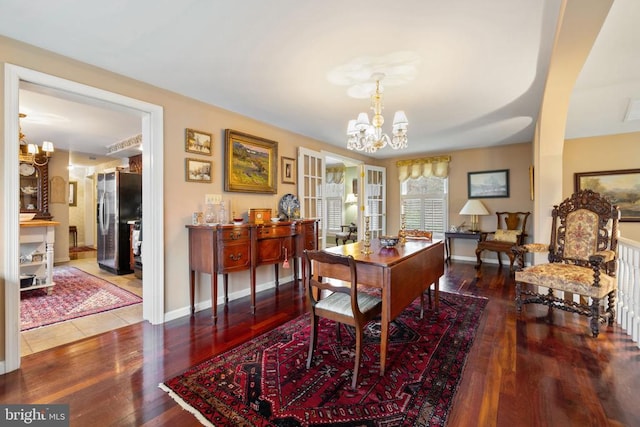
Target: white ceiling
[477,81]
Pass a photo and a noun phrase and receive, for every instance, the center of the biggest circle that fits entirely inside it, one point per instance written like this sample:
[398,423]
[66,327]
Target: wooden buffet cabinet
[224,249]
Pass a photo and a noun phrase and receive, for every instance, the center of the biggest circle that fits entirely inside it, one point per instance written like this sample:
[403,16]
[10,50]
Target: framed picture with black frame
[488,184]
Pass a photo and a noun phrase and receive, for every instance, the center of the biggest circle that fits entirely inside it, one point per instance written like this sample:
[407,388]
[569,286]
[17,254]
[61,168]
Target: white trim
[152,200]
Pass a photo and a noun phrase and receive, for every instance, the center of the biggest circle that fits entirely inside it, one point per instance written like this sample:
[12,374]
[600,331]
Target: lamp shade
[474,207]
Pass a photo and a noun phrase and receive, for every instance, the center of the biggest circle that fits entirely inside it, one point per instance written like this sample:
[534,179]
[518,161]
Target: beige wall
[602,153]
[515,157]
[181,198]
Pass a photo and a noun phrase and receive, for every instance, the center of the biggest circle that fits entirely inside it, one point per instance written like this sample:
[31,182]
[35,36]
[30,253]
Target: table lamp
[474,208]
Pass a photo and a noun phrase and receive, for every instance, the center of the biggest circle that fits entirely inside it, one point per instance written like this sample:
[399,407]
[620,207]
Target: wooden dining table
[403,273]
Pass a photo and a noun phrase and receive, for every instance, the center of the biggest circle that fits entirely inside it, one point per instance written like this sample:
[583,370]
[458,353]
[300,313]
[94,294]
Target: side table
[469,235]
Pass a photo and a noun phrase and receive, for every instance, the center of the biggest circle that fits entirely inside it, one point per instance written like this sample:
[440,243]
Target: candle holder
[367,238]
[403,230]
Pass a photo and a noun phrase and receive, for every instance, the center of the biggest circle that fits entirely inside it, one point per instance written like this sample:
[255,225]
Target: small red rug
[265,382]
[75,294]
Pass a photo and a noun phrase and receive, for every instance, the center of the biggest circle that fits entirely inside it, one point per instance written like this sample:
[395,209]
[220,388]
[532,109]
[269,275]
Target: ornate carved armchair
[582,260]
[510,232]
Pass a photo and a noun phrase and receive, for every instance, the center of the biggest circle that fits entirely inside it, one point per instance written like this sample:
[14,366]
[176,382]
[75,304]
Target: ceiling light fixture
[31,153]
[365,136]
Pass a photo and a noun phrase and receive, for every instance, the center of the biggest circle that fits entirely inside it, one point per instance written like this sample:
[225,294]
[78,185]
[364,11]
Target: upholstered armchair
[510,232]
[347,232]
[582,260]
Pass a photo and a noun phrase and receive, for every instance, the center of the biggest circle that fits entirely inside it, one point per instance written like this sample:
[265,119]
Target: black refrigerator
[119,201]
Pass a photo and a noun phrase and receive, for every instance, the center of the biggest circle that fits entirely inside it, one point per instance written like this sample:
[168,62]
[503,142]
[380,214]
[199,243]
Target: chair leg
[478,258]
[313,338]
[518,297]
[356,367]
[422,305]
[595,317]
[611,307]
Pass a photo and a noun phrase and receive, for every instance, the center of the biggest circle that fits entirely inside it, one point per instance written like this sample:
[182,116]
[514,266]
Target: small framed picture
[198,142]
[288,170]
[198,170]
[488,184]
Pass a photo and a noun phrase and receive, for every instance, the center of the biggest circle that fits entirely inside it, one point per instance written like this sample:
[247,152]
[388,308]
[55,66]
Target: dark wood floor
[537,370]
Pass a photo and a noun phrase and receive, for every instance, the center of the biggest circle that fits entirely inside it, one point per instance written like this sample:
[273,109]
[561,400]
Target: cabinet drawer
[231,234]
[266,232]
[234,257]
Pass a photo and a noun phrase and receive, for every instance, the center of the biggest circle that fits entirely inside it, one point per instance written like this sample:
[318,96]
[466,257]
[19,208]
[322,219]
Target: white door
[374,200]
[311,170]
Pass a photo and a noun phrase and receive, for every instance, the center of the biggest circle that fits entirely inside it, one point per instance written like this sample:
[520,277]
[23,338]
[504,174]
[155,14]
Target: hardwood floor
[537,370]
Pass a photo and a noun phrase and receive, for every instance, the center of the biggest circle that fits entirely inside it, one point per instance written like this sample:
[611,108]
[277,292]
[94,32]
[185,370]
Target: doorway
[152,137]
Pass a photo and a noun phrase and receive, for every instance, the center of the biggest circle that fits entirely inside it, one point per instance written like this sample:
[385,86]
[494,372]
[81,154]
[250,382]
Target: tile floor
[39,339]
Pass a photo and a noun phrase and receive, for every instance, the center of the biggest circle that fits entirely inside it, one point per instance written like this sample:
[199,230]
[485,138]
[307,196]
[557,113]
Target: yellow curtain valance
[335,174]
[426,166]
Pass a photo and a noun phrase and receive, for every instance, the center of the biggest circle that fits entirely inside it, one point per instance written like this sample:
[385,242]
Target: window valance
[426,166]
[335,181]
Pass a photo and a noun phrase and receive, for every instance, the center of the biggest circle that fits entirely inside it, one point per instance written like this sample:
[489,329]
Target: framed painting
[288,170]
[73,193]
[197,170]
[488,184]
[621,187]
[250,163]
[198,142]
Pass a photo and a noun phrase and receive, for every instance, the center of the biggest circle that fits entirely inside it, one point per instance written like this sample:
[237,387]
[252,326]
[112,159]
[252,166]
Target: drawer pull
[235,236]
[235,257]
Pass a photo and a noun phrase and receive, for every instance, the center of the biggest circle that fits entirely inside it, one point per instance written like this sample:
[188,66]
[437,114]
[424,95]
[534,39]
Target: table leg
[447,247]
[436,295]
[384,337]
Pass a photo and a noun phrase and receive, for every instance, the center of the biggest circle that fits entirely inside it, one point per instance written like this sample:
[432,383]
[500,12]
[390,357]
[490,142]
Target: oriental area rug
[75,294]
[265,382]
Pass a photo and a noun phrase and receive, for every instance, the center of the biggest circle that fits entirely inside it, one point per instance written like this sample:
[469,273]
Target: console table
[469,235]
[224,249]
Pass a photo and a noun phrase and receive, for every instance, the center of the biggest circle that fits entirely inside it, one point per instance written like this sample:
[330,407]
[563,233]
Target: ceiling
[467,73]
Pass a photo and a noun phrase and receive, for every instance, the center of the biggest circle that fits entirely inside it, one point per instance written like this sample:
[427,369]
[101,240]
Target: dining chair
[344,303]
[582,260]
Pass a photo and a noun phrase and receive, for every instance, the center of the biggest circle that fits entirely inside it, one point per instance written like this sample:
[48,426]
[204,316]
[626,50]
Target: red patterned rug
[265,382]
[75,294]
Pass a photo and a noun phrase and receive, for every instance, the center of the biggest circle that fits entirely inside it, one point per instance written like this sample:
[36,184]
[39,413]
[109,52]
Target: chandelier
[365,136]
[31,153]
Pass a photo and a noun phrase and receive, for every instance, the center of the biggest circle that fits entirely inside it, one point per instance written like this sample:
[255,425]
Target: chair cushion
[510,236]
[567,277]
[340,303]
[581,237]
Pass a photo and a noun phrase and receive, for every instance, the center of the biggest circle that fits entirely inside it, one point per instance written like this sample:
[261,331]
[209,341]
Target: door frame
[152,118]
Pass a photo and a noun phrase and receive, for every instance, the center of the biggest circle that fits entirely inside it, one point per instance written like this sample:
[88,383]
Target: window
[334,214]
[425,204]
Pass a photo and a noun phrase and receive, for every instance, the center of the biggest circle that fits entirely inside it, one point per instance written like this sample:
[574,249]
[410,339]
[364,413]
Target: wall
[602,153]
[515,157]
[181,197]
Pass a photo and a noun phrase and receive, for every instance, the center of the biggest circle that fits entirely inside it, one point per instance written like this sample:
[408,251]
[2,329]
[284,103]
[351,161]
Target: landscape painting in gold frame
[621,187]
[250,163]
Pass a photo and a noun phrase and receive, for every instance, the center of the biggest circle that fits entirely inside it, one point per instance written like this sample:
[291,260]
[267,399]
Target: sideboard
[224,249]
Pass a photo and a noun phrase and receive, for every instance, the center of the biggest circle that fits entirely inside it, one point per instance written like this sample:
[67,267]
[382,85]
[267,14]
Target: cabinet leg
[277,278]
[192,283]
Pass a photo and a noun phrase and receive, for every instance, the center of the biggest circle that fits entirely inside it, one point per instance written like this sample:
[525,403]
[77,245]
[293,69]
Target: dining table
[402,273]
